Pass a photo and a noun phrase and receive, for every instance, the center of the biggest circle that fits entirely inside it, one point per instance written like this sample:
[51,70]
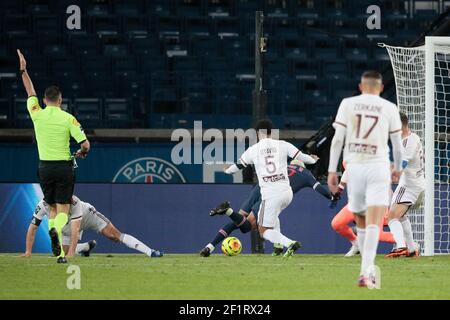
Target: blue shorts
[253,201]
[256,207]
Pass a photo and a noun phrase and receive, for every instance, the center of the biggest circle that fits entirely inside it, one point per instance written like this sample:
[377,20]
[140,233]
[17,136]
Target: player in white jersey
[269,156]
[365,122]
[408,194]
[83,216]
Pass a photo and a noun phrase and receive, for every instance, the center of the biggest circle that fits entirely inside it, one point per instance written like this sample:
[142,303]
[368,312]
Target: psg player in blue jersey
[246,219]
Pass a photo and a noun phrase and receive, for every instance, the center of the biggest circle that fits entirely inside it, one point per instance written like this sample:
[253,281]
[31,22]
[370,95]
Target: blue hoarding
[171,217]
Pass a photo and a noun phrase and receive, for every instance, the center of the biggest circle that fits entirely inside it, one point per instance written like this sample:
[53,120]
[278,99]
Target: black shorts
[57,179]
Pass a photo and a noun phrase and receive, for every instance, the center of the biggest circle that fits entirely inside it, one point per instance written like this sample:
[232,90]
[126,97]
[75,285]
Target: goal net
[422,82]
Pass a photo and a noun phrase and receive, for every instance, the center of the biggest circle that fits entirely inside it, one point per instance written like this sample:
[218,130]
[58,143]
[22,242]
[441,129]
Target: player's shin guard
[397,231]
[237,218]
[370,247]
[224,233]
[277,237]
[407,232]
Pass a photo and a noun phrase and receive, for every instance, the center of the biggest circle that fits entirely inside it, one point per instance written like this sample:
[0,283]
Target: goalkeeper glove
[335,198]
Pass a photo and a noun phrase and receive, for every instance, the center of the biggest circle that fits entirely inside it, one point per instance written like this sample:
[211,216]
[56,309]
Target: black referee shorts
[57,179]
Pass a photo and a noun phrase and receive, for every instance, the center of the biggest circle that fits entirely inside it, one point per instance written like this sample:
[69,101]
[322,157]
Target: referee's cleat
[156,254]
[61,260]
[87,253]
[221,209]
[206,252]
[294,246]
[56,245]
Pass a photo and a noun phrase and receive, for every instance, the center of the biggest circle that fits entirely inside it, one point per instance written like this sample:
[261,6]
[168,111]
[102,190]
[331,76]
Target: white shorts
[368,185]
[271,208]
[66,235]
[92,220]
[408,196]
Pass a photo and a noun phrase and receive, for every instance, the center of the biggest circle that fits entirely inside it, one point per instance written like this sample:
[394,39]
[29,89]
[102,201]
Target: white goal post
[422,80]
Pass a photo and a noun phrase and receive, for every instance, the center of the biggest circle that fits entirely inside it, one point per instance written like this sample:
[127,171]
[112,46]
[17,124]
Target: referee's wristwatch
[23,71]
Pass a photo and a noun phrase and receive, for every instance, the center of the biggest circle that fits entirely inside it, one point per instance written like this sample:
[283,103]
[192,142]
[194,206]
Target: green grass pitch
[177,276]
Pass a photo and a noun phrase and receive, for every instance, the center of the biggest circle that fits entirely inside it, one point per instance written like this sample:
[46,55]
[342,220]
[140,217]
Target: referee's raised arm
[25,77]
[53,129]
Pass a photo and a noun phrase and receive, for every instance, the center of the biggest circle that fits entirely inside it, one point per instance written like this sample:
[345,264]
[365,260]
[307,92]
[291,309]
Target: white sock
[354,242]
[397,231]
[407,232]
[361,238]
[370,247]
[81,247]
[133,243]
[210,246]
[276,237]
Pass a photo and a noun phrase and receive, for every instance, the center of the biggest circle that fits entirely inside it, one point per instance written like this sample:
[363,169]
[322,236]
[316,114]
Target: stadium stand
[162,64]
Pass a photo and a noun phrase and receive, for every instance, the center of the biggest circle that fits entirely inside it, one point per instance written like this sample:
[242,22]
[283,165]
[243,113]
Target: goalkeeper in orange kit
[341,221]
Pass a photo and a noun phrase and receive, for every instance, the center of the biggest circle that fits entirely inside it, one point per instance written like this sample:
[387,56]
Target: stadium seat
[115,50]
[135,25]
[117,113]
[127,9]
[21,116]
[162,52]
[47,24]
[88,111]
[165,100]
[5,113]
[16,24]
[83,44]
[55,51]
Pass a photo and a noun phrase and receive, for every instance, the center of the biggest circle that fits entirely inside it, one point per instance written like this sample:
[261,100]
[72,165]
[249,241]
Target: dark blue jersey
[299,178]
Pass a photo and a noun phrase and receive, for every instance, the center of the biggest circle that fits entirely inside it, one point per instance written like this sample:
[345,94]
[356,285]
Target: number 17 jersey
[270,157]
[368,119]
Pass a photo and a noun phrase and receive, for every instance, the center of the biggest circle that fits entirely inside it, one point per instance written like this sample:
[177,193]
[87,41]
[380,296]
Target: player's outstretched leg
[340,224]
[221,209]
[84,249]
[294,246]
[111,232]
[223,233]
[239,220]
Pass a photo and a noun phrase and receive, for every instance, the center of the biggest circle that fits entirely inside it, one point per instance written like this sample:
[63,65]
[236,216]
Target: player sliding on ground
[269,156]
[341,221]
[84,216]
[365,123]
[245,219]
[408,194]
